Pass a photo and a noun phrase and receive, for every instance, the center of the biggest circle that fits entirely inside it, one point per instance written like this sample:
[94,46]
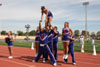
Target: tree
[88,33]
[76,32]
[84,33]
[3,32]
[98,33]
[20,33]
[93,34]
[32,33]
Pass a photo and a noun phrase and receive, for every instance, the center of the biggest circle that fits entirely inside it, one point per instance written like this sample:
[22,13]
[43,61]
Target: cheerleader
[65,39]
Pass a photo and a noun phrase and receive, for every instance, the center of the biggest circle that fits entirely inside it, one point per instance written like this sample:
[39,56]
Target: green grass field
[77,46]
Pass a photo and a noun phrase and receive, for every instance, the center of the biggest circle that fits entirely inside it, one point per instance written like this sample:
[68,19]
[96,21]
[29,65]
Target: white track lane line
[87,63]
[33,55]
[18,63]
[90,59]
[77,58]
[35,66]
[83,62]
[5,52]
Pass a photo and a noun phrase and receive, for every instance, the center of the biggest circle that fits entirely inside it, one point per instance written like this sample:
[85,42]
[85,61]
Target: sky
[15,14]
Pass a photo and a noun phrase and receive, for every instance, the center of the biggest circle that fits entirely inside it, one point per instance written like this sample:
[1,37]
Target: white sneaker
[33,60]
[36,54]
[10,57]
[44,60]
[54,64]
[66,56]
[74,63]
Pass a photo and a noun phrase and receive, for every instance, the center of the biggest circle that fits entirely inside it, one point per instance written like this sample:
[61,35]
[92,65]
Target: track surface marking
[23,58]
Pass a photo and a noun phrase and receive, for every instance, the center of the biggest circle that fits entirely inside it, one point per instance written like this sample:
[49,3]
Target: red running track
[23,58]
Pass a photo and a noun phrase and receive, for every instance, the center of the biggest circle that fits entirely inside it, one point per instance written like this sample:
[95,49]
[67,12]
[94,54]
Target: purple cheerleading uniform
[37,37]
[50,39]
[50,14]
[10,43]
[43,47]
[65,33]
[43,38]
[55,44]
[71,49]
[50,43]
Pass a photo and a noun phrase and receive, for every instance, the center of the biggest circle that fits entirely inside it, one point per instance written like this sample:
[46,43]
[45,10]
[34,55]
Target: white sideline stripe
[91,59]
[33,56]
[13,53]
[87,63]
[77,58]
[67,65]
[18,63]
[35,66]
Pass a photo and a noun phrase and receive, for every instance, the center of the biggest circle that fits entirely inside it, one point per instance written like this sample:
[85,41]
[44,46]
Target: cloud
[30,9]
[13,12]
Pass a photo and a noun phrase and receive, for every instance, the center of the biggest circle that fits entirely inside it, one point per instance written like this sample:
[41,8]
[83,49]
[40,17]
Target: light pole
[86,4]
[27,31]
